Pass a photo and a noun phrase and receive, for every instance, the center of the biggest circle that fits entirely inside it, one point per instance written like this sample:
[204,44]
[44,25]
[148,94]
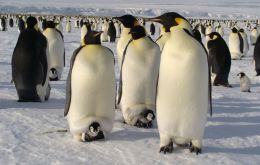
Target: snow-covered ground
[232,135]
[190,8]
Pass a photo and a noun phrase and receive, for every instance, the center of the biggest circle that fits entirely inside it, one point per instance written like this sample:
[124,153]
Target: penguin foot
[168,148]
[195,149]
[140,124]
[88,138]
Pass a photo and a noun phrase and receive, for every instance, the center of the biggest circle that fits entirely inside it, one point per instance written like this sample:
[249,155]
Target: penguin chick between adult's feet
[91,89]
[138,79]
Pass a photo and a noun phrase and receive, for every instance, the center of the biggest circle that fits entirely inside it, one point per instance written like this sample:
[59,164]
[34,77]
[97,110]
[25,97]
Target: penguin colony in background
[156,77]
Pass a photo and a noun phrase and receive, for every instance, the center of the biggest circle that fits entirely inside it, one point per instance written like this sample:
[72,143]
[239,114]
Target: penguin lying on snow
[91,88]
[245,82]
[184,75]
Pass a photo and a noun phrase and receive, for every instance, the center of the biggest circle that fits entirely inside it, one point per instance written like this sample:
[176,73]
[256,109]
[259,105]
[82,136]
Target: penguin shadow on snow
[132,135]
[235,121]
[51,104]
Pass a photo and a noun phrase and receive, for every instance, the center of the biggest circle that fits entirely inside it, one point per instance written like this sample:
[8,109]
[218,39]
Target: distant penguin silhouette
[152,29]
[245,42]
[254,35]
[11,22]
[236,45]
[111,32]
[257,57]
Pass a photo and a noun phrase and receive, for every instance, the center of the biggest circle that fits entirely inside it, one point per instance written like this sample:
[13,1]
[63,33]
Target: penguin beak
[118,18]
[155,19]
[98,33]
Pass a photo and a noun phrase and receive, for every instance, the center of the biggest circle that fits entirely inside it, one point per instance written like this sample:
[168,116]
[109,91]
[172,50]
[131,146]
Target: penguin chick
[245,82]
[93,133]
[145,119]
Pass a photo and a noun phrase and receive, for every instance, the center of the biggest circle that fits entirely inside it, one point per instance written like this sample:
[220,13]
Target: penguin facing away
[137,96]
[56,50]
[245,82]
[257,56]
[219,59]
[30,64]
[91,88]
[183,96]
[111,32]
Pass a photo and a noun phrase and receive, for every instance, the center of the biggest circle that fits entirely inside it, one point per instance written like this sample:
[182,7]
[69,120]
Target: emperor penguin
[245,42]
[245,82]
[56,51]
[152,29]
[219,59]
[11,22]
[220,30]
[59,26]
[91,88]
[183,91]
[253,35]
[21,24]
[68,26]
[236,45]
[30,64]
[104,28]
[128,22]
[111,32]
[3,24]
[257,56]
[118,29]
[137,97]
[84,30]
[165,35]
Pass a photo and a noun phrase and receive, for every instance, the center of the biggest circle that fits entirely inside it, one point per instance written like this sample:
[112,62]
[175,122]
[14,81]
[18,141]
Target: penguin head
[148,114]
[92,37]
[137,32]
[53,74]
[128,21]
[32,22]
[94,129]
[214,35]
[241,74]
[234,30]
[50,24]
[241,30]
[172,19]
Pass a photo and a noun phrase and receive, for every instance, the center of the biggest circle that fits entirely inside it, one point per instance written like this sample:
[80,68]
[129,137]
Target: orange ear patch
[178,20]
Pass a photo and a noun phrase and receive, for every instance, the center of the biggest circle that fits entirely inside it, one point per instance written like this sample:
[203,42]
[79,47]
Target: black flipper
[120,81]
[209,74]
[68,83]
[159,38]
[43,57]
